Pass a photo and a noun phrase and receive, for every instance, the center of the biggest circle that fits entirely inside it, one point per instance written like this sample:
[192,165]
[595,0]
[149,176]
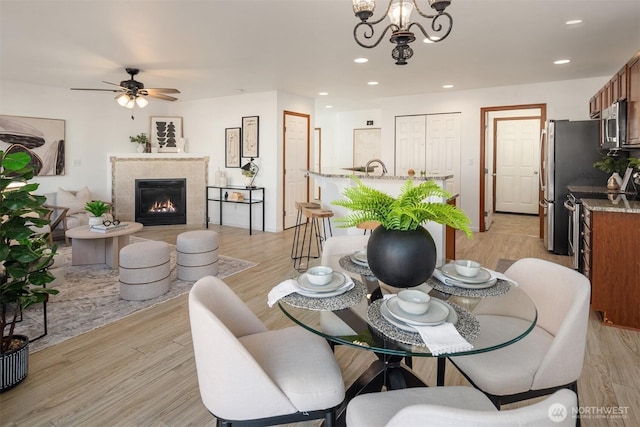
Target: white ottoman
[197,254]
[144,270]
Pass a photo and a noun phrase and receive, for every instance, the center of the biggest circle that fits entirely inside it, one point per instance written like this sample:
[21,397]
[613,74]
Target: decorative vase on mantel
[140,148]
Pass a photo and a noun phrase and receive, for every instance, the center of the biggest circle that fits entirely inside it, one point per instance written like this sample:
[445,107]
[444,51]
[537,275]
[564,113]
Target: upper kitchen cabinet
[633,101]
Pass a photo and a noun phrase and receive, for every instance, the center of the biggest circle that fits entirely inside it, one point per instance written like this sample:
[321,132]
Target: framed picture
[250,131]
[42,139]
[165,131]
[232,141]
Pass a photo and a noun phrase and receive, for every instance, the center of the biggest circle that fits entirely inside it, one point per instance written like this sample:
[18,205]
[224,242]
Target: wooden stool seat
[368,225]
[309,215]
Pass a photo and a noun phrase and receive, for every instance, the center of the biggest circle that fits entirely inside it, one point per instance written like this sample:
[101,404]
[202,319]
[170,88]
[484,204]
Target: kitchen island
[334,182]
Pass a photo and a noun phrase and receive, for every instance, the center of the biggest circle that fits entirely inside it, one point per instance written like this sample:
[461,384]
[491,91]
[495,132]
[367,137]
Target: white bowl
[320,275]
[467,268]
[413,301]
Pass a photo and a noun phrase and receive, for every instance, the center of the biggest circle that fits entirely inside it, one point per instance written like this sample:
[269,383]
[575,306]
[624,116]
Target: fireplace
[161,201]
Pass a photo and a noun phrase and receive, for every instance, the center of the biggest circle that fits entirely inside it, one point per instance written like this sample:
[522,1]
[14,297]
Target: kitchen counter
[615,203]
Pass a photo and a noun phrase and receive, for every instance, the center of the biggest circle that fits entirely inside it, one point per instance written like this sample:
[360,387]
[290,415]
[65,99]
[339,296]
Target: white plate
[449,270]
[341,290]
[484,285]
[360,258]
[437,313]
[384,311]
[337,281]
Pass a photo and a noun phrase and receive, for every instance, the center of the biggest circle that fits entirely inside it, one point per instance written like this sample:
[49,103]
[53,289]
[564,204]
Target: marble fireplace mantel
[125,168]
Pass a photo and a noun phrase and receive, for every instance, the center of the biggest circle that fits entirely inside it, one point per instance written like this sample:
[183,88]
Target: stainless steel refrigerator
[568,152]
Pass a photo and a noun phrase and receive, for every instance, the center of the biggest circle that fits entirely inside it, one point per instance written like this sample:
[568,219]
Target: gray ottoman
[144,270]
[197,254]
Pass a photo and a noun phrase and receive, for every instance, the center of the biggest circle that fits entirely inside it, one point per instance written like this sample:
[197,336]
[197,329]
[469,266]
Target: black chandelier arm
[384,15]
[436,26]
[368,33]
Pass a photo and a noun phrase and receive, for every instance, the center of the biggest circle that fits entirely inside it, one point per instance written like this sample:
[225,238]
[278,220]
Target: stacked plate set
[467,274]
[437,313]
[322,282]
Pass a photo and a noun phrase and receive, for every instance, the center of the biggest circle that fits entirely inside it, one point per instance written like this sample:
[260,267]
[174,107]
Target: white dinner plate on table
[337,281]
[347,286]
[484,285]
[449,270]
[437,313]
[360,258]
[386,314]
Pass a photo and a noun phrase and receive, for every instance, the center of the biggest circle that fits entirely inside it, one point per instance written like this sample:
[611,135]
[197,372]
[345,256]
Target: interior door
[296,162]
[517,165]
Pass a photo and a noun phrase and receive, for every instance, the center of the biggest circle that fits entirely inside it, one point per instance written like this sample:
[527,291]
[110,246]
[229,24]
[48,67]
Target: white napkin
[494,275]
[290,286]
[443,338]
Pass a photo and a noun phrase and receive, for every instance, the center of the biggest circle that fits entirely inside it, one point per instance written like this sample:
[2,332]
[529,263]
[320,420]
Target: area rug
[89,298]
[503,264]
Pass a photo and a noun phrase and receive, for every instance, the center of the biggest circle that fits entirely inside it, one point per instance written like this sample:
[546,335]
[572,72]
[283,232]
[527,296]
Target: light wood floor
[140,370]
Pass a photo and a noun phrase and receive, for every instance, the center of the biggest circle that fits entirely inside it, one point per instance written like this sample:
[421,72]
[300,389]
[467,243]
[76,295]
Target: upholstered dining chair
[551,356]
[455,406]
[249,374]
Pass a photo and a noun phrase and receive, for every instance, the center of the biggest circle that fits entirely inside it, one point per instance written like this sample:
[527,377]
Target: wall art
[42,139]
[232,138]
[250,133]
[166,132]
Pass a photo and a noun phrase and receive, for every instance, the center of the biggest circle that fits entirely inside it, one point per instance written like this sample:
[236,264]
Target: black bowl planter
[401,258]
[15,365]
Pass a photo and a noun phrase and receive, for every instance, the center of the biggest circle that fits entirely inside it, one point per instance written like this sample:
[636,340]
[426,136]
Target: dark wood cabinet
[611,263]
[633,101]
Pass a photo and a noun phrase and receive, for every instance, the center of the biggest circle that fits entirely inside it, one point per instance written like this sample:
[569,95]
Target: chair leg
[574,387]
[330,419]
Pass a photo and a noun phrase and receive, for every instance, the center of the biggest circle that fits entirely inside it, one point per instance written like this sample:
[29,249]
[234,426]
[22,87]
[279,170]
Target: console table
[220,198]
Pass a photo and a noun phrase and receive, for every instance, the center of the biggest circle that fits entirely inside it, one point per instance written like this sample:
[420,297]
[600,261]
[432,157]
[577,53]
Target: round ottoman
[197,254]
[144,270]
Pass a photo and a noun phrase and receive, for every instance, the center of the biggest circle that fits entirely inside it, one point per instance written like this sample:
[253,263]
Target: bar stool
[315,221]
[368,225]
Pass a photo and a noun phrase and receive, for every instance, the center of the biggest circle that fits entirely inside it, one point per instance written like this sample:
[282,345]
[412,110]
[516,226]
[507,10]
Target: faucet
[366,168]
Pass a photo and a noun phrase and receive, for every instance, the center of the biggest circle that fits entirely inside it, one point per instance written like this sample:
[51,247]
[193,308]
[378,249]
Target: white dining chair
[455,406]
[551,356]
[249,374]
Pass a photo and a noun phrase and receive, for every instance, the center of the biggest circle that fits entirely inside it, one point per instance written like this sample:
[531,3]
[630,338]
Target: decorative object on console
[250,171]
[399,13]
[26,257]
[250,136]
[395,247]
[41,139]
[614,165]
[232,141]
[165,133]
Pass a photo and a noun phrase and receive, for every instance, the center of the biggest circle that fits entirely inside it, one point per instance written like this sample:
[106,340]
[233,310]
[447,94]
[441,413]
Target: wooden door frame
[484,111]
[286,113]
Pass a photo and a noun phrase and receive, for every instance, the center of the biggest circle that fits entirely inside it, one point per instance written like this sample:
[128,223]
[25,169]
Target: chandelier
[399,13]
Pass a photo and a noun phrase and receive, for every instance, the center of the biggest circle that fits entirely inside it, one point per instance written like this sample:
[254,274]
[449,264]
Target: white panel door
[517,164]
[410,144]
[296,161]
[443,148]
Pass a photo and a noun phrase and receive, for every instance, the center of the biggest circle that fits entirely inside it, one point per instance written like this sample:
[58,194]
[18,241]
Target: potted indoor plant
[24,260]
[401,252]
[142,141]
[614,166]
[97,209]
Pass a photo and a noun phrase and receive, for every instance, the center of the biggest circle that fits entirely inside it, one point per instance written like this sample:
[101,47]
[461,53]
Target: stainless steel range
[574,208]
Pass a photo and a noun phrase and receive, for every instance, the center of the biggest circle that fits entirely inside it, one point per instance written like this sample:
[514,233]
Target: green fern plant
[406,212]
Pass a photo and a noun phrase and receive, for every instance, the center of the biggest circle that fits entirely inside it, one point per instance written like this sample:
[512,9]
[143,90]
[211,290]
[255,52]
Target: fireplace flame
[166,206]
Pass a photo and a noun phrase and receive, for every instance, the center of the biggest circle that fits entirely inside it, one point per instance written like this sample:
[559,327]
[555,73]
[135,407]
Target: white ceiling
[211,48]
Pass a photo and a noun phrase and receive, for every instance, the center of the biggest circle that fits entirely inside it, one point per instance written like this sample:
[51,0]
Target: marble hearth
[126,168]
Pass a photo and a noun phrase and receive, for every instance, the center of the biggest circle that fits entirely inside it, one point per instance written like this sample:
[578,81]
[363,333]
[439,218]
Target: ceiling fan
[132,92]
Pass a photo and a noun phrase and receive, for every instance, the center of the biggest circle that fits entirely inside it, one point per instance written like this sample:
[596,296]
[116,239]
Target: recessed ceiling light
[433,39]
[323,93]
[360,60]
[562,61]
[574,22]
[447,86]
[328,106]
[372,83]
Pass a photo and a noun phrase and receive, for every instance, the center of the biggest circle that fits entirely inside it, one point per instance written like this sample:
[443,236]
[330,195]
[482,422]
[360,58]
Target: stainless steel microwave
[613,126]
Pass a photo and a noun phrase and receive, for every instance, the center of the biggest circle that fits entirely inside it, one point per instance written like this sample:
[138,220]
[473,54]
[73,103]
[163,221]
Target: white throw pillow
[74,200]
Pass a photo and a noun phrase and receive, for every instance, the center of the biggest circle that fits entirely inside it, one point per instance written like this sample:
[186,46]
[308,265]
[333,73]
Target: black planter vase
[14,365]
[401,258]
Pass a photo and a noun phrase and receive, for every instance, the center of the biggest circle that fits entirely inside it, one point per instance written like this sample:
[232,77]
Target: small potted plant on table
[97,209]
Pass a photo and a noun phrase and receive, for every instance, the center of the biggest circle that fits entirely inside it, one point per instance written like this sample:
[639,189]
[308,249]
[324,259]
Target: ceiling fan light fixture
[141,101]
[122,99]
[131,102]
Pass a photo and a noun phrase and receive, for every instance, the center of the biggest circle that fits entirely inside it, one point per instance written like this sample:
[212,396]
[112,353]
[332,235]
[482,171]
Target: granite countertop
[615,203]
[341,173]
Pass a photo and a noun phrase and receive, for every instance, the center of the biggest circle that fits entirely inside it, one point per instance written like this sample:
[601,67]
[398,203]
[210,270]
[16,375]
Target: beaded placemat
[338,302]
[500,288]
[467,325]
[347,263]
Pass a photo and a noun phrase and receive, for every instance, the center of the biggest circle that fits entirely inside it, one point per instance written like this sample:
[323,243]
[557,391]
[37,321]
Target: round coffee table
[92,247]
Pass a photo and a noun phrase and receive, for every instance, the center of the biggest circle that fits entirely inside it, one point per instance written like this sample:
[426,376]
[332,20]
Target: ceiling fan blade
[161,96]
[114,84]
[101,90]
[162,90]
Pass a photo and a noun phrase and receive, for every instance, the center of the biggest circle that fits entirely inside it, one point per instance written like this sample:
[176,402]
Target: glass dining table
[489,318]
